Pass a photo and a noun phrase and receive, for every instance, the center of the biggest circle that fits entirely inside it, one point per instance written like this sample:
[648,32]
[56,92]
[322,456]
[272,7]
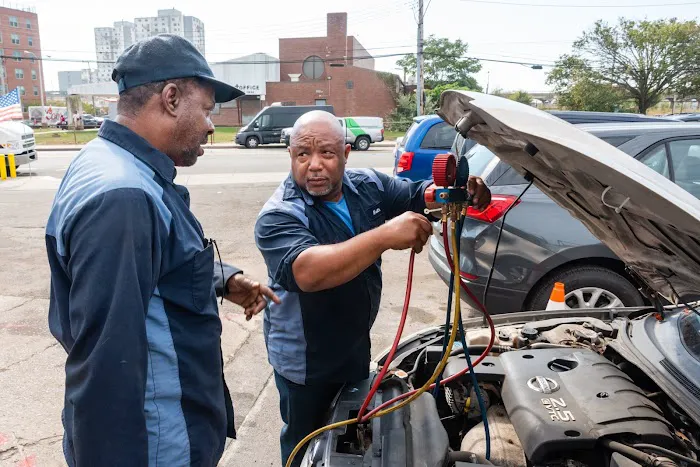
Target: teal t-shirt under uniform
[340,208]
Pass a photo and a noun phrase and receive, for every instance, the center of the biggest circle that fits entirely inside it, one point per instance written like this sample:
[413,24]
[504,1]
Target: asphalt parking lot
[228,187]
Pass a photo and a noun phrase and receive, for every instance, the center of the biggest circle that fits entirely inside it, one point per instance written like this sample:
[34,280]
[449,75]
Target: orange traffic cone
[556,299]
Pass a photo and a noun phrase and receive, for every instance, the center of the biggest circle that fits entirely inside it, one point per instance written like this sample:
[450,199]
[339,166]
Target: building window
[21,90]
[312,67]
[30,41]
[29,23]
[36,91]
[349,84]
[17,55]
[34,75]
[0,37]
[15,38]
[320,102]
[13,22]
[19,73]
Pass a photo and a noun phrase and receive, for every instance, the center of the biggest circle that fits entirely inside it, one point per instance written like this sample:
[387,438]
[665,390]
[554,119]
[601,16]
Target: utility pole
[419,62]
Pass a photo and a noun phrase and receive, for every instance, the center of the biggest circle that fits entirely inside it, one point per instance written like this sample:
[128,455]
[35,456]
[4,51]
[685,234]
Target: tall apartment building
[20,43]
[111,41]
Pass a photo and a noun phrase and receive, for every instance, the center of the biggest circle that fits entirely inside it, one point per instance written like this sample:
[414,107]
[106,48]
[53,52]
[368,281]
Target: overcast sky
[536,31]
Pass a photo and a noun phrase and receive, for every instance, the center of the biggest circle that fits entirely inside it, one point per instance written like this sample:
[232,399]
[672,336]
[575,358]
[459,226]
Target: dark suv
[541,243]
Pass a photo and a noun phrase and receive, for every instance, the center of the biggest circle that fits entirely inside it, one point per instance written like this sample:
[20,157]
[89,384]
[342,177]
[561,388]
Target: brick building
[20,44]
[334,70]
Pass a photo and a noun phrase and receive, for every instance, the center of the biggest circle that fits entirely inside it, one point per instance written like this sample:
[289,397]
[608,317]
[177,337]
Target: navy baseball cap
[164,57]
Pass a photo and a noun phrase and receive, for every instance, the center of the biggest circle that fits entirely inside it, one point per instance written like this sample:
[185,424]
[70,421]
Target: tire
[582,284]
[252,142]
[362,143]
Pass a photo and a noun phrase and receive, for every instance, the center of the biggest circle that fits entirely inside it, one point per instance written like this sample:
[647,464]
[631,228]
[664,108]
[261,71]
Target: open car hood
[645,219]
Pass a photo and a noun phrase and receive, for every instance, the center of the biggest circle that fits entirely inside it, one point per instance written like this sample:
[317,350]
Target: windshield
[690,333]
[479,158]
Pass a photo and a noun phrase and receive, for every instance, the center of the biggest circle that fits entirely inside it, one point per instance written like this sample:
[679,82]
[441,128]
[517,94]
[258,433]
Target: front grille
[27,136]
[28,143]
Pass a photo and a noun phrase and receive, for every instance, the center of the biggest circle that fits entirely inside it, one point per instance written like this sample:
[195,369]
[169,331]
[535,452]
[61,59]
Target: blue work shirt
[323,337]
[340,208]
[133,303]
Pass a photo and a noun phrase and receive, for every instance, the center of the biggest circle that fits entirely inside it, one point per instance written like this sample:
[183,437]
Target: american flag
[10,107]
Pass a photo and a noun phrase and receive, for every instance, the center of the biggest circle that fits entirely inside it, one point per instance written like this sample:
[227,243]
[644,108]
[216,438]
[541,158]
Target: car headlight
[13,146]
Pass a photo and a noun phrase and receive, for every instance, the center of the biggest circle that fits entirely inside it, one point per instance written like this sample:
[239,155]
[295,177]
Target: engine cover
[560,400]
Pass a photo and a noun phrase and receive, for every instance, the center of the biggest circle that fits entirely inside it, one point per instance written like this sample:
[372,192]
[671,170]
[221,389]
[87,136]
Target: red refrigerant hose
[397,339]
[458,375]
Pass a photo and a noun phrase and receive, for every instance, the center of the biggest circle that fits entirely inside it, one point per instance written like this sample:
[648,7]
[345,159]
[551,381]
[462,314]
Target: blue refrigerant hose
[472,373]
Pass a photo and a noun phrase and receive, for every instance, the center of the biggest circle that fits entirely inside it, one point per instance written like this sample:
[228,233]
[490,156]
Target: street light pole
[41,80]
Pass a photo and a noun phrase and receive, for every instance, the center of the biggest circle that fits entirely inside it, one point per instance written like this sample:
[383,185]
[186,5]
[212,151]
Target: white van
[360,132]
[18,139]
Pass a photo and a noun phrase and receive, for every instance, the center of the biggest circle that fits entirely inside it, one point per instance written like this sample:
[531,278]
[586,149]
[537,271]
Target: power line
[558,5]
[264,62]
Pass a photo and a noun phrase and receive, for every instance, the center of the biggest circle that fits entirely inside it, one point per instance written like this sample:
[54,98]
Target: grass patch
[50,137]
[225,134]
[58,137]
[392,135]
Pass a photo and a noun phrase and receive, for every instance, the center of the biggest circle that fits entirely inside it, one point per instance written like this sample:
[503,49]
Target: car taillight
[405,162]
[494,211]
[382,131]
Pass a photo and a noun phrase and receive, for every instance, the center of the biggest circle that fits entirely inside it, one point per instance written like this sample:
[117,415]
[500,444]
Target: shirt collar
[139,147]
[292,190]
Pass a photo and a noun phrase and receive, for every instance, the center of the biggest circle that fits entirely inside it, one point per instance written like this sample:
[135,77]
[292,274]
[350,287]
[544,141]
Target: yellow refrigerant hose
[426,386]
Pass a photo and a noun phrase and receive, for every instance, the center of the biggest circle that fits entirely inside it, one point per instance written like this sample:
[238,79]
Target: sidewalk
[224,145]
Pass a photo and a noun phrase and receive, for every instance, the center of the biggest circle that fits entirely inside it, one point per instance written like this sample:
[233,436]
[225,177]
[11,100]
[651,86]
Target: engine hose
[464,456]
[631,453]
[667,452]
[436,391]
[477,391]
[409,397]
[443,362]
[399,332]
[481,308]
[460,223]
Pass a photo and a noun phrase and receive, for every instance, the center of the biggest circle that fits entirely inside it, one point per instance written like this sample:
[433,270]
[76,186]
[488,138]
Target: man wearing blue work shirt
[133,277]
[322,234]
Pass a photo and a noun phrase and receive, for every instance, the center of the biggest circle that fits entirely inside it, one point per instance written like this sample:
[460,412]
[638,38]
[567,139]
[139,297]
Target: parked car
[266,127]
[585,388]
[689,117]
[429,136]
[542,243]
[90,121]
[360,132]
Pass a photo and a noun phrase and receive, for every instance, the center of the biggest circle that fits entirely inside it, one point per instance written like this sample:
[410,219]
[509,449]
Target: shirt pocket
[191,284]
[376,216]
[203,278]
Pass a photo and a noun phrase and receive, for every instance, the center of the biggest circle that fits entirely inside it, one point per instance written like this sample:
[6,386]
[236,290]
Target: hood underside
[645,219]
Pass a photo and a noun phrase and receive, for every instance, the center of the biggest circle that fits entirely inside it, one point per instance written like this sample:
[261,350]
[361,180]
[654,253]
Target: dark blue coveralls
[318,341]
[133,303]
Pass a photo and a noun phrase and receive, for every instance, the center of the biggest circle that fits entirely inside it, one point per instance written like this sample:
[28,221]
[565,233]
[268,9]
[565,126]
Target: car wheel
[252,142]
[362,143]
[587,287]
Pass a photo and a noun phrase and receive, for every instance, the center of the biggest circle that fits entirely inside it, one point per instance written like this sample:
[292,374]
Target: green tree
[643,59]
[433,95]
[578,88]
[521,96]
[402,116]
[444,62]
[689,89]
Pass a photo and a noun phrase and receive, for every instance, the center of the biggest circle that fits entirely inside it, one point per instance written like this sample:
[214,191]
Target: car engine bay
[557,393]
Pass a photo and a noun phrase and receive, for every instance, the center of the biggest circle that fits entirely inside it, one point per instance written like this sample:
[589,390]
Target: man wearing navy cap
[133,277]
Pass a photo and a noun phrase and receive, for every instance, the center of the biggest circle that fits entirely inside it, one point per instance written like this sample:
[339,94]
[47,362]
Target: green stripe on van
[354,127]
